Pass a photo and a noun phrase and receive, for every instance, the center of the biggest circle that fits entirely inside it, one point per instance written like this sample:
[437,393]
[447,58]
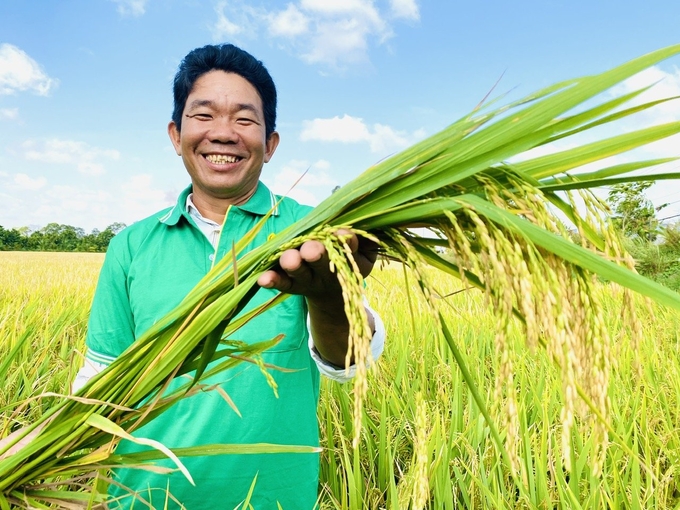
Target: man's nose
[223,130]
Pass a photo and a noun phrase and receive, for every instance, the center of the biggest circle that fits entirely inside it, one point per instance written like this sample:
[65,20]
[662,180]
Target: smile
[221,159]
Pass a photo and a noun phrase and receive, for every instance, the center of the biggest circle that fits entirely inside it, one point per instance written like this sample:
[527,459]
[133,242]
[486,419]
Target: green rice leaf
[102,423]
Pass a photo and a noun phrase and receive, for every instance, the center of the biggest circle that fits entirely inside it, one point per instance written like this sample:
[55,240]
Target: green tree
[634,213]
[12,240]
[104,237]
[61,237]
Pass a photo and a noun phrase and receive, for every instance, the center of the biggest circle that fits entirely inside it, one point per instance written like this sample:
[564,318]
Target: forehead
[224,88]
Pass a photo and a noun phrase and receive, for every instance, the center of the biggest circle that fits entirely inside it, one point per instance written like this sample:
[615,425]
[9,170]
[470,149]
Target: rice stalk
[419,467]
[504,236]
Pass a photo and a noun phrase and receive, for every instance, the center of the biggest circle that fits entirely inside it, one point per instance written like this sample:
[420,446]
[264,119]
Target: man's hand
[306,272]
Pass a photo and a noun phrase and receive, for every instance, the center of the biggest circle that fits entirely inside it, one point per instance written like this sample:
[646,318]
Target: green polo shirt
[149,268]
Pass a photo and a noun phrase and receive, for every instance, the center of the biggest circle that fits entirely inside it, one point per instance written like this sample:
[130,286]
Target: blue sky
[85,86]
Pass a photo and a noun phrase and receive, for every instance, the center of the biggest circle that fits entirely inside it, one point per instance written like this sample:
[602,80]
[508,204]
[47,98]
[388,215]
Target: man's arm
[340,373]
[110,327]
[306,271]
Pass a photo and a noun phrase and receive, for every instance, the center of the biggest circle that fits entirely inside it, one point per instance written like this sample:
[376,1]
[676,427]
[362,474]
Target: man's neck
[214,208]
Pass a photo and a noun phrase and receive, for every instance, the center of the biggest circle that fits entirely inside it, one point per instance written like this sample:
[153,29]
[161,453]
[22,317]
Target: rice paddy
[424,442]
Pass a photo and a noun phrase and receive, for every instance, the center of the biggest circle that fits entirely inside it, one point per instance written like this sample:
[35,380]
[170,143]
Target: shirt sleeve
[341,374]
[86,372]
[110,328]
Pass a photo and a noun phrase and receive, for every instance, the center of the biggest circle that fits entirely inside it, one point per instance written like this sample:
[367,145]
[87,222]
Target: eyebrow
[248,107]
[197,103]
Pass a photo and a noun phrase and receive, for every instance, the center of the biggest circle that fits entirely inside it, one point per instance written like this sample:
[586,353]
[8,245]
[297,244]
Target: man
[223,127]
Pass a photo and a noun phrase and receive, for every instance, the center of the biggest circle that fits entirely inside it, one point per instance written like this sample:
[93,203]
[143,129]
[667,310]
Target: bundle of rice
[503,225]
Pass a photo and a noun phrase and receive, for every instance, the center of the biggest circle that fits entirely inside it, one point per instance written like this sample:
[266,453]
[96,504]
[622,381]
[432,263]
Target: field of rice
[424,442]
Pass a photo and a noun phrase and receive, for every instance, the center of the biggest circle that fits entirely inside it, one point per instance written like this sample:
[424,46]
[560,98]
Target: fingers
[364,251]
[297,269]
[307,270]
[313,252]
[274,280]
[349,237]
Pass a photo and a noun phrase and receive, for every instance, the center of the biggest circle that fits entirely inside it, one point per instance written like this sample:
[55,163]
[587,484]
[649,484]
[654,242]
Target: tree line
[653,244]
[57,237]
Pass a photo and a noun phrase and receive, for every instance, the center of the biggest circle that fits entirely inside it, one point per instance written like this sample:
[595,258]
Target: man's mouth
[221,159]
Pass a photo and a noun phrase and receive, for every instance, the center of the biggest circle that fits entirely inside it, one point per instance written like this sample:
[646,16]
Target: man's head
[231,59]
[223,125]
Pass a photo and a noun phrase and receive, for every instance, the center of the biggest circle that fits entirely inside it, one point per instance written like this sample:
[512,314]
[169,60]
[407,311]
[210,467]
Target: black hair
[231,59]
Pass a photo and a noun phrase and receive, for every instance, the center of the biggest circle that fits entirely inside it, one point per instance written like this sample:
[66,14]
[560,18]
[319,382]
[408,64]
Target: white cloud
[322,164]
[134,8]
[237,19]
[348,129]
[9,113]
[306,182]
[87,159]
[24,182]
[665,84]
[384,139]
[224,28]
[341,31]
[288,23]
[77,204]
[356,9]
[140,198]
[19,72]
[407,9]
[333,33]
[337,43]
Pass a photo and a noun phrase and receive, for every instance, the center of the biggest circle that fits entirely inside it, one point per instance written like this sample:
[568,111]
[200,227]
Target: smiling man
[223,141]
[223,127]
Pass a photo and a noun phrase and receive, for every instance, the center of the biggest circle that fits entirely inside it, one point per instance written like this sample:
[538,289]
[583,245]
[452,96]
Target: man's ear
[270,146]
[173,133]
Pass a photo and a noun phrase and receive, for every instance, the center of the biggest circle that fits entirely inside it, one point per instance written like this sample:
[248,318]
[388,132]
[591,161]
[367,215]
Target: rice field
[424,442]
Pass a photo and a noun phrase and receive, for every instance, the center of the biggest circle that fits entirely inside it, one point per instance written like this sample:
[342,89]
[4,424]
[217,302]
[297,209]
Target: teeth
[220,159]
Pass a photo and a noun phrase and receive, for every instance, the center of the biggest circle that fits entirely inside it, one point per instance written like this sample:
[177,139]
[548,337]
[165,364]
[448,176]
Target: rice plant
[462,464]
[498,221]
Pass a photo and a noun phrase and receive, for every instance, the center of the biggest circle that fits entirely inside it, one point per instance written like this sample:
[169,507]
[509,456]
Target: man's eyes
[245,121]
[199,116]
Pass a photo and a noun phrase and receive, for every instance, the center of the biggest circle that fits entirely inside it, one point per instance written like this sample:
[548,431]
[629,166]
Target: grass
[462,465]
[422,432]
[44,305]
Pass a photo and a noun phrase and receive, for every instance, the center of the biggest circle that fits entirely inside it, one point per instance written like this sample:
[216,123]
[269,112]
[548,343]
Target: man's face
[222,140]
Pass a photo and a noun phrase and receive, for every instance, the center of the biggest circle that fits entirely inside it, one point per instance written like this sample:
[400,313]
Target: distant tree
[12,239]
[105,236]
[116,227]
[89,242]
[61,237]
[36,241]
[634,213]
[57,237]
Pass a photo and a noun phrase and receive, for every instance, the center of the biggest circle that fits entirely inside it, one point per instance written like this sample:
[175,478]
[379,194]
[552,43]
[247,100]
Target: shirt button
[211,257]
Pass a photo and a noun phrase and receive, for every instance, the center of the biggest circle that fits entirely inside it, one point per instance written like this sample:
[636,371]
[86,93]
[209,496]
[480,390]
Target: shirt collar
[261,203]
